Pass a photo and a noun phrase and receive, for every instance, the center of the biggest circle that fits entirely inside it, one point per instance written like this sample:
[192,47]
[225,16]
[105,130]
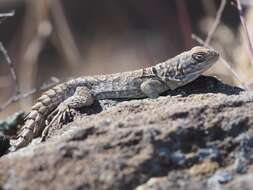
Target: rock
[220,177]
[243,182]
[161,143]
[203,168]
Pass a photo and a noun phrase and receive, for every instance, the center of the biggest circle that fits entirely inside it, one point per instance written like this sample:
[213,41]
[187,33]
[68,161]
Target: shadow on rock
[205,84]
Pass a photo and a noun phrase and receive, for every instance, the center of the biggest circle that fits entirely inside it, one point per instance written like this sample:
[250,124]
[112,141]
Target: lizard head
[188,65]
[196,61]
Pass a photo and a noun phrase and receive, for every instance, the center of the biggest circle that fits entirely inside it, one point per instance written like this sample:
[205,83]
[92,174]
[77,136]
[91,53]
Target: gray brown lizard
[147,82]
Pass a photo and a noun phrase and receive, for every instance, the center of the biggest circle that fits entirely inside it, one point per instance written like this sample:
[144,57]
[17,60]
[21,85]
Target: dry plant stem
[18,97]
[224,62]
[63,32]
[34,36]
[216,23]
[11,67]
[246,32]
[4,16]
[9,14]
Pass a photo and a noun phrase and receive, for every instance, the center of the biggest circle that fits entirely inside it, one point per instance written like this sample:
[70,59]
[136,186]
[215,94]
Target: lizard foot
[62,114]
[66,110]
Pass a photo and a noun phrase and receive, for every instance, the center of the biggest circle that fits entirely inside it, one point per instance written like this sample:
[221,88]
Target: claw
[45,131]
[60,115]
[53,113]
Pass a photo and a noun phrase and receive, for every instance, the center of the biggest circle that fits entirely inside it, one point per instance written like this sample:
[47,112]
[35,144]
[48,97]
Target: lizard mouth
[213,57]
[196,70]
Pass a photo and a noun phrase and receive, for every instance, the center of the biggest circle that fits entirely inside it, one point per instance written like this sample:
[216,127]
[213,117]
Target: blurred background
[63,38]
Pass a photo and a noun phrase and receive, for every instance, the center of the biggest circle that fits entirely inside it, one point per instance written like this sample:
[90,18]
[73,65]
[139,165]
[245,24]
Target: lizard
[142,83]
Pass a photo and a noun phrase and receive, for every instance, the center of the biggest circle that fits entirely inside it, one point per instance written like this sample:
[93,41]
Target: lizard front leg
[153,88]
[82,97]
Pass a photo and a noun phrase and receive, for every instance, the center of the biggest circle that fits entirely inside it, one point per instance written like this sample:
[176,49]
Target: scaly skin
[148,82]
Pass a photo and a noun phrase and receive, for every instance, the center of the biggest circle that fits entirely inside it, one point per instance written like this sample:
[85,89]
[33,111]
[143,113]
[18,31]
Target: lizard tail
[34,121]
[26,135]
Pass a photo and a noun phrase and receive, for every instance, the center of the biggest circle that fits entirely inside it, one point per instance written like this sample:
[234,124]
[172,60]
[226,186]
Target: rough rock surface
[197,137]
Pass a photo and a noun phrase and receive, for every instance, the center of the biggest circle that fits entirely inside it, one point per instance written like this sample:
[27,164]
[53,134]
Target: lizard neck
[166,72]
[165,69]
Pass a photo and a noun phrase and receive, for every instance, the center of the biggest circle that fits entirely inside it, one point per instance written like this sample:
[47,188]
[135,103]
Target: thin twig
[18,97]
[67,43]
[9,14]
[36,31]
[245,29]
[11,67]
[217,21]
[4,16]
[224,62]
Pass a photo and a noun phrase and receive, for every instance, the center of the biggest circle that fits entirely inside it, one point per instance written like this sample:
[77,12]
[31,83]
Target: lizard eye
[200,56]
